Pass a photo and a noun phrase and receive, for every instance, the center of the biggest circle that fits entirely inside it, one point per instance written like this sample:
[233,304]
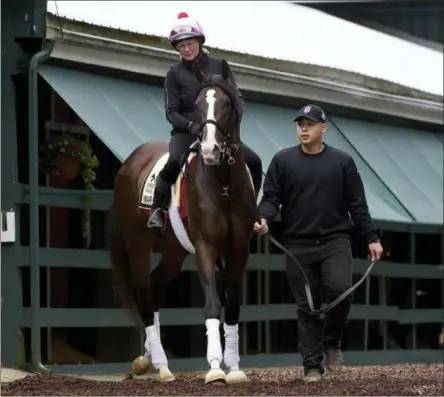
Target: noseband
[229,150]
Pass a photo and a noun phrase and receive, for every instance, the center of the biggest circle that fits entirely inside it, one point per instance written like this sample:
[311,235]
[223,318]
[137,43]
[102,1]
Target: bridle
[228,148]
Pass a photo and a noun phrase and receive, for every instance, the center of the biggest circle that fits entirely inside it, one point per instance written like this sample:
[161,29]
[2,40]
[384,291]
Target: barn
[103,85]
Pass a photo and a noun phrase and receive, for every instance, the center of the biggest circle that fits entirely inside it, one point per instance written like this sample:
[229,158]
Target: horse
[218,211]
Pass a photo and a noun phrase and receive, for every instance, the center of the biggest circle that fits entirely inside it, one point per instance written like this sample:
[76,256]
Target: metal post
[384,323]
[259,244]
[413,292]
[259,302]
[34,242]
[367,302]
[267,299]
[383,302]
[48,245]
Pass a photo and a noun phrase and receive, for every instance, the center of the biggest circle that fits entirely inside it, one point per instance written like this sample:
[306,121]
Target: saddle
[147,191]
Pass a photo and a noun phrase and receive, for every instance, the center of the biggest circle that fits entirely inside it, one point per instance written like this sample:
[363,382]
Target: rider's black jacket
[181,86]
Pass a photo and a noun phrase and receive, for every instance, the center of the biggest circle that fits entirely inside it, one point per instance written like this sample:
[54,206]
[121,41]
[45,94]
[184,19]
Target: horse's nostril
[212,151]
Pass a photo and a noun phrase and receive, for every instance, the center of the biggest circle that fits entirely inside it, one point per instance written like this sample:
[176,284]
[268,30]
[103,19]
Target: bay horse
[220,204]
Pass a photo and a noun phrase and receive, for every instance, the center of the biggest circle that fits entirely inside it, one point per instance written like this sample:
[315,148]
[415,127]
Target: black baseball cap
[312,112]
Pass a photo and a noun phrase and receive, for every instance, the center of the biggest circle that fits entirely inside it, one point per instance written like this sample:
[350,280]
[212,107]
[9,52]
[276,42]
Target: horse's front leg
[206,256]
[233,283]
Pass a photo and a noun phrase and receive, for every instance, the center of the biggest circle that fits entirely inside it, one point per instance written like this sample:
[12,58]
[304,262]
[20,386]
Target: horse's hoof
[141,365]
[234,377]
[166,375]
[215,376]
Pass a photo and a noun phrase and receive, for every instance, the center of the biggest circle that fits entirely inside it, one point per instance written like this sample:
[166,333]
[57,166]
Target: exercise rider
[181,86]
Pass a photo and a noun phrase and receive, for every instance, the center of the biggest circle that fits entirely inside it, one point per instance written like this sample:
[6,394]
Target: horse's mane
[216,80]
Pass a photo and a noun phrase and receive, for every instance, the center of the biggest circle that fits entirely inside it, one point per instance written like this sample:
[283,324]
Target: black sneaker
[312,375]
[333,359]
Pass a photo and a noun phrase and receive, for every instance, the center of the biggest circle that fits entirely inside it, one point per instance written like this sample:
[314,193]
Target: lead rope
[339,299]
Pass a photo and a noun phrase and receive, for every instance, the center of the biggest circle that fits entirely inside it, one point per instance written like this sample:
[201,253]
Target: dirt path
[402,380]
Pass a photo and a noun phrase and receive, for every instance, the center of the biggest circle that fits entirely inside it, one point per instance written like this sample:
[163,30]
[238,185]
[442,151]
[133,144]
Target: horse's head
[217,103]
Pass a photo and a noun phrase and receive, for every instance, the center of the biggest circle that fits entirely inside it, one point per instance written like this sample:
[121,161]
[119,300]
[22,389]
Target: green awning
[410,162]
[125,114]
[268,129]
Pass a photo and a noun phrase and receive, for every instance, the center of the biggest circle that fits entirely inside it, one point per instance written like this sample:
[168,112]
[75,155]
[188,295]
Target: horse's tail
[121,267]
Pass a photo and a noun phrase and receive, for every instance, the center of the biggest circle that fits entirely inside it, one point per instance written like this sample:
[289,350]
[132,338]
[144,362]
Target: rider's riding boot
[161,194]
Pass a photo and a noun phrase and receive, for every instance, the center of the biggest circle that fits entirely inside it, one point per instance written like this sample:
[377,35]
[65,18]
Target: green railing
[264,263]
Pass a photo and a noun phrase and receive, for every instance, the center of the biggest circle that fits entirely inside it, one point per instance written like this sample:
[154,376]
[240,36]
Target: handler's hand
[261,228]
[375,249]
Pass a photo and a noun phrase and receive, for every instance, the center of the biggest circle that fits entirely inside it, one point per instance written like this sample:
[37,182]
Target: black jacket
[181,86]
[317,193]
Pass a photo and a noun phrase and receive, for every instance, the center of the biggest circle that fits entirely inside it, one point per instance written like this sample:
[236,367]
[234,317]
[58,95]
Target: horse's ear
[225,70]
[197,73]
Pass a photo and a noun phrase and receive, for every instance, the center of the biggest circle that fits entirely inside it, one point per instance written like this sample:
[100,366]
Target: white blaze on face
[210,139]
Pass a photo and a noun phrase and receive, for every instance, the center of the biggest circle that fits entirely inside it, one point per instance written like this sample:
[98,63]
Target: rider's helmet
[185,28]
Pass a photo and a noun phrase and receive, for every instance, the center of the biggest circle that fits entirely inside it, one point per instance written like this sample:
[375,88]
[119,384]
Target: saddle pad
[177,224]
[176,196]
[147,191]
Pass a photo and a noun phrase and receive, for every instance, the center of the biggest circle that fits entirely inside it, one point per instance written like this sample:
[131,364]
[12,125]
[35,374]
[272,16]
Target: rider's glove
[194,129]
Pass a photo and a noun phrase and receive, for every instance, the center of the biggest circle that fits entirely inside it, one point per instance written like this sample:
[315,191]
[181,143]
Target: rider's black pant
[179,144]
[328,266]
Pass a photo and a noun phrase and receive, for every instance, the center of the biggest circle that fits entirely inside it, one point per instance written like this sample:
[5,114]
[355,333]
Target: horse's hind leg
[139,249]
[206,256]
[233,282]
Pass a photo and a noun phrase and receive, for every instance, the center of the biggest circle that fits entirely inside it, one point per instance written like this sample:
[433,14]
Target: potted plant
[66,155]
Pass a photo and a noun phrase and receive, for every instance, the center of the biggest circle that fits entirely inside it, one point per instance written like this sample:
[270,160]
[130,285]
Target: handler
[317,186]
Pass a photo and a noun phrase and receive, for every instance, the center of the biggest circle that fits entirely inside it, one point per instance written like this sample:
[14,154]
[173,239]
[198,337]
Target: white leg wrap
[214,347]
[147,344]
[231,353]
[158,356]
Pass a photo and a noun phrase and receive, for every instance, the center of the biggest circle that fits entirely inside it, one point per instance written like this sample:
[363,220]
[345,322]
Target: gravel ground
[400,380]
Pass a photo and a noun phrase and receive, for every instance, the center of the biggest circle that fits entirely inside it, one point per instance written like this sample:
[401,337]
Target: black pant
[328,267]
[179,144]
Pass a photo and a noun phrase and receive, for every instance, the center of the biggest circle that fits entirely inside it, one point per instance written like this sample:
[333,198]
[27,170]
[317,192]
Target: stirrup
[157,212]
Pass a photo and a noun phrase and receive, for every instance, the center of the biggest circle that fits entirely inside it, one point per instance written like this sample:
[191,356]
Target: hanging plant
[66,156]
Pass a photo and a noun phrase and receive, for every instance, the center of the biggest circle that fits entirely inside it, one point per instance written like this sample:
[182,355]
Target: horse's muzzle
[212,156]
